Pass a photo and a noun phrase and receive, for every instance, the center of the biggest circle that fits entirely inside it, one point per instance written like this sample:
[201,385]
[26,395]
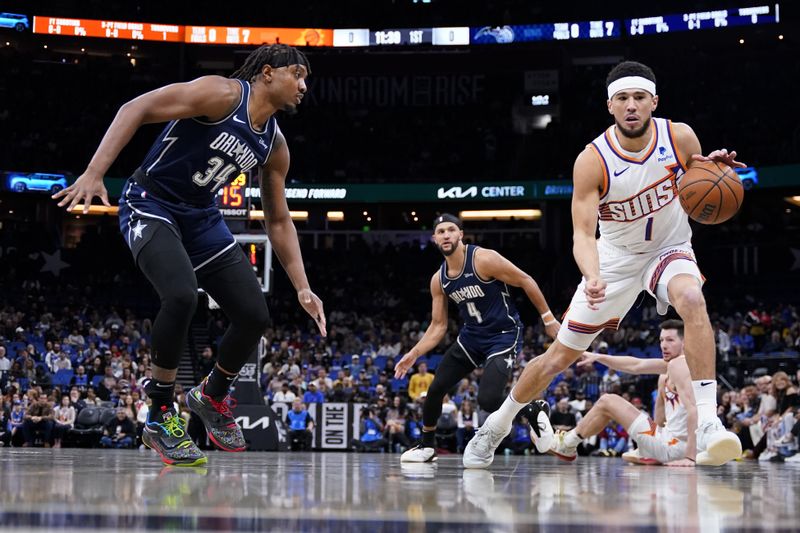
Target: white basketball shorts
[626,275]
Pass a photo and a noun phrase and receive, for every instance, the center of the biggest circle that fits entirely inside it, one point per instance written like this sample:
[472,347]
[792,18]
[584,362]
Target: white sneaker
[715,445]
[542,434]
[419,454]
[479,452]
[560,449]
[793,459]
[634,457]
[766,456]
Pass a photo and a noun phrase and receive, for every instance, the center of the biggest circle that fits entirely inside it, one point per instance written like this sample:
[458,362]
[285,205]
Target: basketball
[710,192]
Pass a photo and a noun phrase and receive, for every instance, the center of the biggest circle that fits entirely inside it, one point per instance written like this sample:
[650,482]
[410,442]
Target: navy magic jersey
[485,306]
[192,158]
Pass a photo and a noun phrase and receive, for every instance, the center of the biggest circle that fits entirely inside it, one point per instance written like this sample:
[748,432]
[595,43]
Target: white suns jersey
[639,206]
[677,419]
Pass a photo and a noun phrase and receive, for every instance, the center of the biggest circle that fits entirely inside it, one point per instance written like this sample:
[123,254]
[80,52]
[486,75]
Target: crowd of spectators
[85,336]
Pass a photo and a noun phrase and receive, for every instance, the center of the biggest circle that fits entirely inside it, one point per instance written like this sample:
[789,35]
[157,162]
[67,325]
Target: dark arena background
[414,108]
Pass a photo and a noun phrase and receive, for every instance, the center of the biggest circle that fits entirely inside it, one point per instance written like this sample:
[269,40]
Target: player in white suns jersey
[627,180]
[669,438]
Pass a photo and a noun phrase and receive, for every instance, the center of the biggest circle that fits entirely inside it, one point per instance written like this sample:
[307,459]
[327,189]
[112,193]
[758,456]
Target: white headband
[631,82]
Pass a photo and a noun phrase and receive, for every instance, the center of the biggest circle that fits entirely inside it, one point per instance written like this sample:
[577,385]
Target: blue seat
[62,378]
[399,384]
[433,361]
[96,381]
[14,347]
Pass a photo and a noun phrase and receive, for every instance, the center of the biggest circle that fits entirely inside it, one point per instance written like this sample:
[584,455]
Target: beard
[634,134]
[451,251]
[290,109]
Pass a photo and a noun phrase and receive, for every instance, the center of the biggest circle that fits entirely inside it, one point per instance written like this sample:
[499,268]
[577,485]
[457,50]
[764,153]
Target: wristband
[547,313]
[551,322]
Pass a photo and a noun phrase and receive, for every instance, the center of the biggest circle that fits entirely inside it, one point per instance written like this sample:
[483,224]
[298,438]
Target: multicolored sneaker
[170,440]
[221,427]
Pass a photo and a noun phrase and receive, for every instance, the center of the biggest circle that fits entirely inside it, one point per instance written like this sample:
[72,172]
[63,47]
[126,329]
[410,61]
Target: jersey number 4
[473,312]
[216,172]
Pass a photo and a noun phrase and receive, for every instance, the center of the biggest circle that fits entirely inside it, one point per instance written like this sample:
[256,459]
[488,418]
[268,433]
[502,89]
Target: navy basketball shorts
[201,230]
[480,346]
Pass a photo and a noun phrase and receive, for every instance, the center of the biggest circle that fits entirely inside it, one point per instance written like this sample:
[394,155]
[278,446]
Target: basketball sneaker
[634,457]
[170,440]
[542,433]
[218,419]
[560,449]
[715,445]
[419,454]
[479,452]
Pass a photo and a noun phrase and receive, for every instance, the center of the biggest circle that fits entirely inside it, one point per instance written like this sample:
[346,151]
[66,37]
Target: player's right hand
[404,365]
[85,188]
[587,359]
[595,291]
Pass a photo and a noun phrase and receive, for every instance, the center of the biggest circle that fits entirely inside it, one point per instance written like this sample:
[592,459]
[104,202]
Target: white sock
[504,416]
[572,439]
[705,396]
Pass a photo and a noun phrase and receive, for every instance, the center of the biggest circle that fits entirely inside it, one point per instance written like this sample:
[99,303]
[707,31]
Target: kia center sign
[481,192]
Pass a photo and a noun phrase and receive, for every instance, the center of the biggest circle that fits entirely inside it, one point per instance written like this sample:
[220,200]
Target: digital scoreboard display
[406,36]
[110,29]
[704,20]
[559,31]
[259,36]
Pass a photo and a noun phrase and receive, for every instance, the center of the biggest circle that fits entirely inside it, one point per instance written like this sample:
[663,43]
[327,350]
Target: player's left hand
[686,463]
[552,329]
[313,306]
[720,156]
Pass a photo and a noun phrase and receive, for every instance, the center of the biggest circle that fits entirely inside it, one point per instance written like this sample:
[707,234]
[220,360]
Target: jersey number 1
[648,229]
[215,172]
[473,312]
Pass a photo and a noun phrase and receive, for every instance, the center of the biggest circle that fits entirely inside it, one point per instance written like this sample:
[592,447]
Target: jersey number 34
[215,172]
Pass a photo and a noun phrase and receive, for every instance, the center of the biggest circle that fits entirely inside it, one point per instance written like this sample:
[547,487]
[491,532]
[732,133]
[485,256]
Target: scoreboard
[110,29]
[409,37]
[702,20]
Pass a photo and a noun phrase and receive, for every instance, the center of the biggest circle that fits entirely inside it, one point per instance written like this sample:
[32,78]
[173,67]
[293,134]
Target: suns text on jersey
[642,203]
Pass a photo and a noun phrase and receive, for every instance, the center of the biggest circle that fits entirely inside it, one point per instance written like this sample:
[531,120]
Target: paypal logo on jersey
[663,156]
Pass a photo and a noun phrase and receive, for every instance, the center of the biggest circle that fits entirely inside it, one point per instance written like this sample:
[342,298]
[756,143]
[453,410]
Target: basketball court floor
[103,490]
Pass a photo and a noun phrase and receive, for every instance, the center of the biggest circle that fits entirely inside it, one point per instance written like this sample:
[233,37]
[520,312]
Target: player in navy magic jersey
[476,280]
[217,128]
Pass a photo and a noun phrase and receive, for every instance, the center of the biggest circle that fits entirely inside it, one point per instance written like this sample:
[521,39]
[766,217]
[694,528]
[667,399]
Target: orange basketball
[710,192]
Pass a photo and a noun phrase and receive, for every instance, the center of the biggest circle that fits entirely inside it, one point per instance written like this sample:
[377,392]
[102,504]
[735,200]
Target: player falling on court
[670,438]
[627,177]
[476,279]
[217,129]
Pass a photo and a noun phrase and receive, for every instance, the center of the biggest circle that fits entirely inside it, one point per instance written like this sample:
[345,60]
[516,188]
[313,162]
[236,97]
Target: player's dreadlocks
[275,55]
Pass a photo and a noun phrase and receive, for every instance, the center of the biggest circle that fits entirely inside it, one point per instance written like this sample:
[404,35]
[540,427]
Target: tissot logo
[457,192]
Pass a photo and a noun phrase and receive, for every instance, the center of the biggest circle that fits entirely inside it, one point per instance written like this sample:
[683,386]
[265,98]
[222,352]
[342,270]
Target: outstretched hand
[404,365]
[313,306]
[721,156]
[82,191]
[587,359]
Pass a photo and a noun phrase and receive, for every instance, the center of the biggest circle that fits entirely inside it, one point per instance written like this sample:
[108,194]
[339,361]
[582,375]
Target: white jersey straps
[639,208]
